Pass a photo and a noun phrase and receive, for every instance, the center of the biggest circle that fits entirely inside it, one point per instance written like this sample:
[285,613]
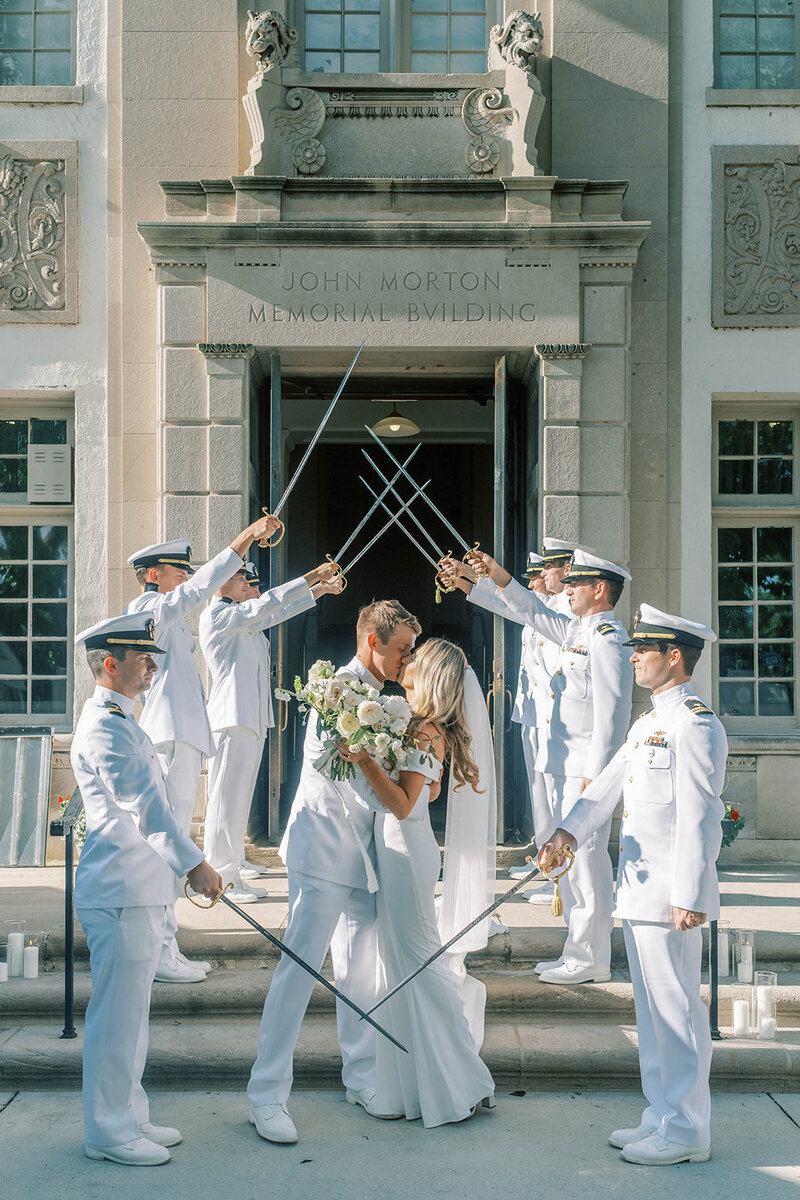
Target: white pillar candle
[723,954]
[30,968]
[766,1028]
[3,972]
[741,1018]
[15,945]
[764,1001]
[744,973]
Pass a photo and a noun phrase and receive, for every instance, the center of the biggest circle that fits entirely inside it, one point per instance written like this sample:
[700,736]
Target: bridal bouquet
[349,710]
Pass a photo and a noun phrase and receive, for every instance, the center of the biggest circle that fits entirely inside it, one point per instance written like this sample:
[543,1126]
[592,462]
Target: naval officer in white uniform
[232,629]
[330,857]
[670,774]
[174,716]
[588,711]
[124,885]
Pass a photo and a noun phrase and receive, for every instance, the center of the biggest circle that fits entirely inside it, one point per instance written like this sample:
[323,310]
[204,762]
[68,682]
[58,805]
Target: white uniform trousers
[673,1028]
[588,889]
[181,765]
[321,914]
[124,945]
[232,774]
[541,796]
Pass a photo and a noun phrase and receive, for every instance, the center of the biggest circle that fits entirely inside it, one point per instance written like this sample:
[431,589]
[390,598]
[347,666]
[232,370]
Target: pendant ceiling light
[395,425]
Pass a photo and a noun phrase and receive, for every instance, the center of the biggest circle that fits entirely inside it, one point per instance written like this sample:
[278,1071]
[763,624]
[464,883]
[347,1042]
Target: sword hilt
[481,572]
[266,544]
[557,907]
[444,583]
[339,572]
[211,903]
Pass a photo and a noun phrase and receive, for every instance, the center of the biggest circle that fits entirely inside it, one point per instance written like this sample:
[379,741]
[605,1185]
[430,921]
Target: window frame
[718,7]
[11,411]
[395,48]
[750,512]
[73,60]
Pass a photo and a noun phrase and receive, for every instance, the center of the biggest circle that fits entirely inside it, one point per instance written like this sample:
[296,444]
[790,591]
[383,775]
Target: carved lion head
[269,38]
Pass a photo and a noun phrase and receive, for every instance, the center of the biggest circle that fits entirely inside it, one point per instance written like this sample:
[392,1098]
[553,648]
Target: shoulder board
[697,707]
[607,628]
[649,713]
[114,708]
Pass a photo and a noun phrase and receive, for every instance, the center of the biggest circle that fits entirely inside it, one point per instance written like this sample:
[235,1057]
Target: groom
[330,859]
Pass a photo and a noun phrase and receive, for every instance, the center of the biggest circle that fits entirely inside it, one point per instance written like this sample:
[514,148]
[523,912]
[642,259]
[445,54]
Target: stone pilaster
[560,372]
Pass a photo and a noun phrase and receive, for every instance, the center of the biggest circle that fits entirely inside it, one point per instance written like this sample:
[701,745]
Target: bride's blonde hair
[439,669]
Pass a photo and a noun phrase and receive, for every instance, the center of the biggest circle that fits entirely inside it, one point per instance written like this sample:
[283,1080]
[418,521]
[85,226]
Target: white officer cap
[535,563]
[251,572]
[132,631]
[176,554]
[652,625]
[554,550]
[589,568]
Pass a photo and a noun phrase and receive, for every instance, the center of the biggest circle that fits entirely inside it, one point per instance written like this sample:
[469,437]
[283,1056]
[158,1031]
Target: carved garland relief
[32,234]
[761,244]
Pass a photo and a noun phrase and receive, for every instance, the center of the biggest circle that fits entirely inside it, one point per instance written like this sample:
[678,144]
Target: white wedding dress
[441,1078]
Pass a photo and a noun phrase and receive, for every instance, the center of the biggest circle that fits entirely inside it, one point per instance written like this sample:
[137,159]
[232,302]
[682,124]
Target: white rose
[347,724]
[399,752]
[373,693]
[369,713]
[321,669]
[333,692]
[398,726]
[382,742]
[397,707]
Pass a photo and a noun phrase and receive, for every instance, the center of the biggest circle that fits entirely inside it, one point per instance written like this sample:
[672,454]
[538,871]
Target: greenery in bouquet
[350,710]
[736,824]
[79,828]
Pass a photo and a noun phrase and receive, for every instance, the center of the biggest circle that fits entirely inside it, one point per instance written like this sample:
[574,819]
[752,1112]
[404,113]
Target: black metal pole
[69,1030]
[713,963]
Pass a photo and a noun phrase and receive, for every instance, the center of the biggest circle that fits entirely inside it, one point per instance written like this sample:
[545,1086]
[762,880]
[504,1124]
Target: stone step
[240,992]
[218,1052]
[517,947]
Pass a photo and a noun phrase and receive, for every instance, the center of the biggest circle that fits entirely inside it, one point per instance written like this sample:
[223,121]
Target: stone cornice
[227,349]
[563,349]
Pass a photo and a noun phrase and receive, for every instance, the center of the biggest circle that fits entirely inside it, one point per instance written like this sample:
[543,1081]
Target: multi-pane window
[756,44]
[448,35]
[756,612]
[756,458]
[36,39]
[16,436]
[35,618]
[437,36]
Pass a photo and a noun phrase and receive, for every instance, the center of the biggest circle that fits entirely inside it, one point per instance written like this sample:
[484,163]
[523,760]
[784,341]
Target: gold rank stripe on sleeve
[606,628]
[114,708]
[697,707]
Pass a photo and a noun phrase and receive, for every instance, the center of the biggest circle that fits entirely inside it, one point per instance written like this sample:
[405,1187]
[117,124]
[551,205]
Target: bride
[438,1016]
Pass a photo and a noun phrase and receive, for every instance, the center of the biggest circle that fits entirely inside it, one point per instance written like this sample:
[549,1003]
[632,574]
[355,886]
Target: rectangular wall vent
[49,474]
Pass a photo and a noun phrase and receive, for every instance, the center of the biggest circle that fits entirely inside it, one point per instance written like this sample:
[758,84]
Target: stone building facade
[570,256]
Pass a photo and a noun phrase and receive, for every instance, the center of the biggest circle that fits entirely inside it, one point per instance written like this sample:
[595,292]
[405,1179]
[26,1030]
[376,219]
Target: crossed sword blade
[378,500]
[419,492]
[413,483]
[319,978]
[316,437]
[390,486]
[456,937]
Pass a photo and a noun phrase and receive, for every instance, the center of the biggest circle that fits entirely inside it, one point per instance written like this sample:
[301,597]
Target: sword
[567,851]
[420,491]
[378,500]
[400,525]
[443,581]
[295,958]
[432,505]
[264,541]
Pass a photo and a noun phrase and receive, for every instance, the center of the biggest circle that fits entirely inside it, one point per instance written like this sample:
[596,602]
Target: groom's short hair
[382,617]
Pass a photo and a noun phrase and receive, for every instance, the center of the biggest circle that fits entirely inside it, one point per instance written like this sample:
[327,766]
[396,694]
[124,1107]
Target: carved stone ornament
[301,122]
[269,39]
[519,40]
[484,116]
[374,103]
[739,762]
[563,349]
[226,349]
[761,245]
[32,234]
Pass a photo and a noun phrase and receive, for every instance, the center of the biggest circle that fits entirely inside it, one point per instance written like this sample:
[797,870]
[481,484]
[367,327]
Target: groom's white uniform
[330,857]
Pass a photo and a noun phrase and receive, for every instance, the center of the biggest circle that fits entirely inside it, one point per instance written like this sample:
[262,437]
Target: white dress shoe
[272,1122]
[197,964]
[626,1137]
[176,971]
[251,870]
[366,1098]
[656,1151]
[573,973]
[542,895]
[242,894]
[521,871]
[548,965]
[162,1135]
[141,1152]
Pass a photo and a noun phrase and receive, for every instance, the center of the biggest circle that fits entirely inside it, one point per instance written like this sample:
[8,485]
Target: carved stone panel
[38,232]
[756,235]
